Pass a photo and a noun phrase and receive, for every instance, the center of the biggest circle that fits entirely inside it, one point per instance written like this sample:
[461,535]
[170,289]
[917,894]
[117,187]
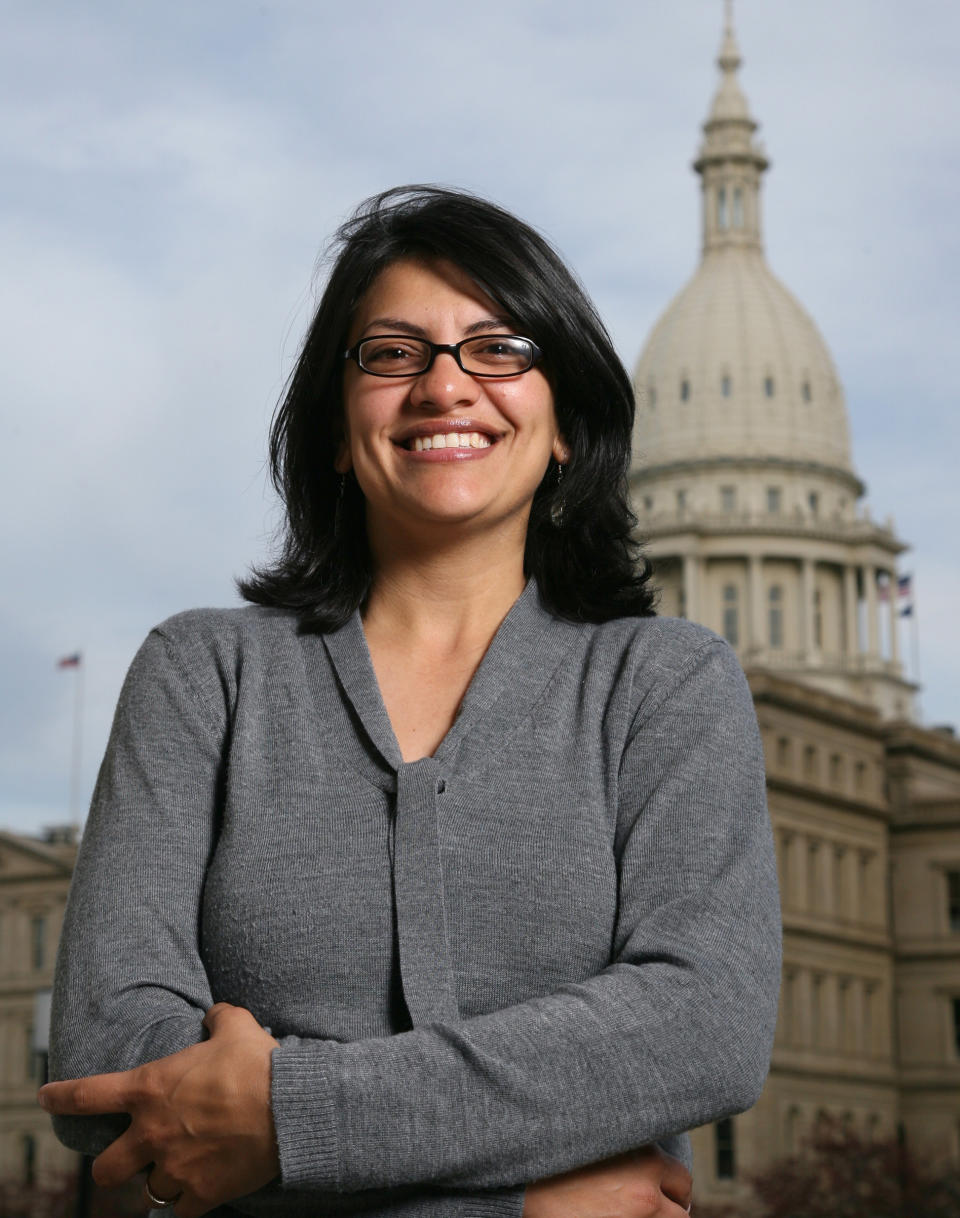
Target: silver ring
[158,1202]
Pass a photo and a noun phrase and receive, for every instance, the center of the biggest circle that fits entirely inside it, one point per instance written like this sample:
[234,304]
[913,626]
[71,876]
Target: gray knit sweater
[554,940]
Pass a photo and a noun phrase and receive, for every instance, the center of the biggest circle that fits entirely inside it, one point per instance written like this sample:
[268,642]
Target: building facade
[34,878]
[746,493]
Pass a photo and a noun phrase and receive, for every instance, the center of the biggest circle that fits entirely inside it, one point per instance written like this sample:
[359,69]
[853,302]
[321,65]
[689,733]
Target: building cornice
[757,524]
[642,474]
[768,688]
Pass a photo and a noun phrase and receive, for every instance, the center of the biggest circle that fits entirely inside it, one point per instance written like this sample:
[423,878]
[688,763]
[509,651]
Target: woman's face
[510,422]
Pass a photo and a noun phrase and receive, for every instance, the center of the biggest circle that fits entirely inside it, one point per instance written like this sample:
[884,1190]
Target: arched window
[725,385]
[731,615]
[768,386]
[722,208]
[816,1011]
[724,1148]
[652,396]
[684,390]
[29,1144]
[806,391]
[775,615]
[738,208]
[38,941]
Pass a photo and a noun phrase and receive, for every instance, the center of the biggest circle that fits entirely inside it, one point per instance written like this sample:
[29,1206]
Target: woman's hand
[645,1183]
[201,1121]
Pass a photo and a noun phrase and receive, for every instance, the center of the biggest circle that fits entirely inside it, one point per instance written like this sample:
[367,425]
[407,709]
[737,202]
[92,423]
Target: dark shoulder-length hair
[584,557]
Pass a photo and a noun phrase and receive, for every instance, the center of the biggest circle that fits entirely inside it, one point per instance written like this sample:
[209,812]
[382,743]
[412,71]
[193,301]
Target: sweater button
[441,786]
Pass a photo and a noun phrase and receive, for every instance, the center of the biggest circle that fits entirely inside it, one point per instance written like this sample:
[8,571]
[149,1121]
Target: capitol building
[747,496]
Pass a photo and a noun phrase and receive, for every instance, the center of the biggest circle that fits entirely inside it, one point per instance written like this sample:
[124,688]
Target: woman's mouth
[449,439]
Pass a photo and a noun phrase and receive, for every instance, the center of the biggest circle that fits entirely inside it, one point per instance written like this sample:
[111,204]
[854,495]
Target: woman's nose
[444,385]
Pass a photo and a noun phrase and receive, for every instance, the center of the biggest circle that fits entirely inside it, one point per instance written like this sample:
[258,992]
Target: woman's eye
[389,353]
[500,351]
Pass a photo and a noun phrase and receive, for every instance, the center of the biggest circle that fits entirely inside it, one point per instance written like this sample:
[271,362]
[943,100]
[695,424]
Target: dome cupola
[736,365]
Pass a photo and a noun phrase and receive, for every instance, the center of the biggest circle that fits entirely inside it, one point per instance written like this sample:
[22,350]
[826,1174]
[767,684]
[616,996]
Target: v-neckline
[508,655]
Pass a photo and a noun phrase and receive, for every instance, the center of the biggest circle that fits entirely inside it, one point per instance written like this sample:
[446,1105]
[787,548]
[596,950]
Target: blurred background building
[745,488]
[34,878]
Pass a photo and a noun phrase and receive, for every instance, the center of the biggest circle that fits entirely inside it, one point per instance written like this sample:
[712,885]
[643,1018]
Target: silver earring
[556,508]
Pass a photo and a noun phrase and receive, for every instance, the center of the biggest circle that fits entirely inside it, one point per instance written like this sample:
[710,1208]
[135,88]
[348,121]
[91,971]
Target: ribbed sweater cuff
[504,1203]
[304,1117]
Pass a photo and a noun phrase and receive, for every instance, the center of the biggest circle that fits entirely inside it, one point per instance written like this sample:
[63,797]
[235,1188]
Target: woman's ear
[561,451]
[343,462]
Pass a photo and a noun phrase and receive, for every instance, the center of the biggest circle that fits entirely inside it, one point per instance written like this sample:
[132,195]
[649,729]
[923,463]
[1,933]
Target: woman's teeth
[450,439]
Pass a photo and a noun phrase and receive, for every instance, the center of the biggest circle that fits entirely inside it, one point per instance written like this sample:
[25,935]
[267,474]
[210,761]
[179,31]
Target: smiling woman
[454,883]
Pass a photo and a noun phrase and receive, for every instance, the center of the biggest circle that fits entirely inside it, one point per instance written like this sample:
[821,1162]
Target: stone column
[893,598]
[755,637]
[873,617]
[806,617]
[851,628]
[691,587]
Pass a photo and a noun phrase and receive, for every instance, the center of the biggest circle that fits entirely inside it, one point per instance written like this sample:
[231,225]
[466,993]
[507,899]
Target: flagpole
[76,764]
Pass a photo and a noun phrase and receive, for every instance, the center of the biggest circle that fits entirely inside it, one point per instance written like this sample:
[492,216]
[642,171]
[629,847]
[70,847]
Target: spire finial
[729,59]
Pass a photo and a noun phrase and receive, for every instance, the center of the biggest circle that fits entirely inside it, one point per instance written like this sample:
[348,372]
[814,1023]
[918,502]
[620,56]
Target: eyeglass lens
[488,355]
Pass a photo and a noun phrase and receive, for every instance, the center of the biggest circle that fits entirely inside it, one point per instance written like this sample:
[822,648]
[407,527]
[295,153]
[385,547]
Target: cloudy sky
[171,171]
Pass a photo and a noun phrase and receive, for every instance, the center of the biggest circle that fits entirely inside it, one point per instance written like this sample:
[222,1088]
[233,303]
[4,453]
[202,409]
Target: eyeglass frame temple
[442,349]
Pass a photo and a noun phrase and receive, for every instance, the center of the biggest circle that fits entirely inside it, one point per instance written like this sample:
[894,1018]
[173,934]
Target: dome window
[774,500]
[806,391]
[775,615]
[681,502]
[817,618]
[728,498]
[725,385]
[722,208]
[731,615]
[813,502]
[768,386]
[684,390]
[648,503]
[738,208]
[652,396]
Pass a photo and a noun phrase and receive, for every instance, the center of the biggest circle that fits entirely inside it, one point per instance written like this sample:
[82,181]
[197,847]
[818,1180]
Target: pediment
[26,858]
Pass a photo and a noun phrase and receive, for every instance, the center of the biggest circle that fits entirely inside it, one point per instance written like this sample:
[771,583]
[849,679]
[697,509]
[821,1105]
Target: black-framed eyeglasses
[490,355]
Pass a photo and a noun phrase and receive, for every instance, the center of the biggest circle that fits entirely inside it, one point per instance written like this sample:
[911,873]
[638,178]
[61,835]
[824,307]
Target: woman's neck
[443,593]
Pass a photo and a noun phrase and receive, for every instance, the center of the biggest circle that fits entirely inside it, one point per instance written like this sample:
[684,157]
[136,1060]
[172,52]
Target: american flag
[72,661]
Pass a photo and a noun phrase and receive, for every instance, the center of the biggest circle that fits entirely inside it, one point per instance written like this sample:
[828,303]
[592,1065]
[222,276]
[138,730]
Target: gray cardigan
[554,940]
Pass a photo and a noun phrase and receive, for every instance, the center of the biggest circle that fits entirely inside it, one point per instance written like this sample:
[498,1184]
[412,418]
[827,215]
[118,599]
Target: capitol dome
[742,478]
[736,366]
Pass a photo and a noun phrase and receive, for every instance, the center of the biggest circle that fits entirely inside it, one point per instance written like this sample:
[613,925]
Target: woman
[473,846]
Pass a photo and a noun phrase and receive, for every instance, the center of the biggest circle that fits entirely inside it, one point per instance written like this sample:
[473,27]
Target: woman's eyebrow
[396,325]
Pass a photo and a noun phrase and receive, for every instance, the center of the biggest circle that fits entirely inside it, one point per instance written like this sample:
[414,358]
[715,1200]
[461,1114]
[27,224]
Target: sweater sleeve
[676,1032]
[129,985]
